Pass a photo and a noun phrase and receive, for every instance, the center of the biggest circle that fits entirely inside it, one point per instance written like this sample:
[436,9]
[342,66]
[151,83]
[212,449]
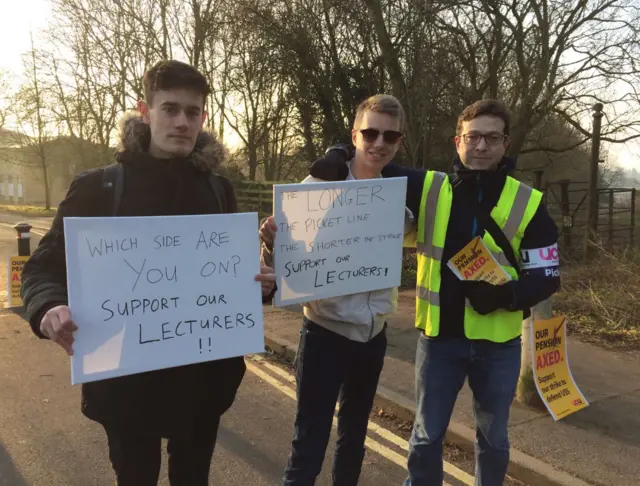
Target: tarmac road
[44,439]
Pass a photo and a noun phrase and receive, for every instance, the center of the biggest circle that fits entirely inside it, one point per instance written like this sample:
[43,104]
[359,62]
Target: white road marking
[393,456]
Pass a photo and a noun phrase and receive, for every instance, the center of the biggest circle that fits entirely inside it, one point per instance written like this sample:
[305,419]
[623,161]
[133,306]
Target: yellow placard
[16,263]
[476,262]
[551,372]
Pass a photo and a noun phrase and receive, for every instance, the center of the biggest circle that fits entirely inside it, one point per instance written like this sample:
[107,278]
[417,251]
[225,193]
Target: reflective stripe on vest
[514,210]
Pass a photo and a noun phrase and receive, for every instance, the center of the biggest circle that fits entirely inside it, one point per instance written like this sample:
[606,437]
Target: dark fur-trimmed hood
[208,154]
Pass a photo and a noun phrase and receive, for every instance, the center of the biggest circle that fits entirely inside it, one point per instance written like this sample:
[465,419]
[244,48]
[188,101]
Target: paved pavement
[45,441]
[600,444]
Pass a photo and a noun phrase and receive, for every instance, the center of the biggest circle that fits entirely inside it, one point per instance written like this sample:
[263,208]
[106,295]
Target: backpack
[113,180]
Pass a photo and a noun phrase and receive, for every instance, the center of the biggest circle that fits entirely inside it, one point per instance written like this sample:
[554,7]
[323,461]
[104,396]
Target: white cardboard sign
[338,238]
[162,291]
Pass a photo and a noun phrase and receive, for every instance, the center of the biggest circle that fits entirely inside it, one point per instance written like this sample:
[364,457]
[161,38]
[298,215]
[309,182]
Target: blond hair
[381,103]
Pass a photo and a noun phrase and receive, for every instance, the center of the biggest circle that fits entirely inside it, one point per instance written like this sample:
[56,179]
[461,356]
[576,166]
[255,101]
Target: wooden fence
[567,203]
[256,196]
[617,218]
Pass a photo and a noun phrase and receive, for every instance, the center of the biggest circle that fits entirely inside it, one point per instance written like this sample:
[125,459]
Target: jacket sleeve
[415,183]
[539,262]
[232,207]
[230,195]
[333,165]
[44,277]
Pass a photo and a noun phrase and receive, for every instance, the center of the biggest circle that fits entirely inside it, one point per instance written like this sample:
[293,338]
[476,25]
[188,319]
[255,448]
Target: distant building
[21,173]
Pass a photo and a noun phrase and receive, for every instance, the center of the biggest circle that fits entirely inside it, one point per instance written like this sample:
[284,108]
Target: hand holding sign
[267,278]
[476,263]
[268,232]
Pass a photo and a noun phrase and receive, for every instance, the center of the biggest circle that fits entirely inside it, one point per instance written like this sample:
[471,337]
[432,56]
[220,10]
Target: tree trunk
[517,138]
[392,64]
[253,161]
[45,176]
[386,47]
[306,117]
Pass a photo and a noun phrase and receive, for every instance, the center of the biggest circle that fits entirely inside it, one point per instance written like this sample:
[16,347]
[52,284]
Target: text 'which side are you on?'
[338,238]
[156,292]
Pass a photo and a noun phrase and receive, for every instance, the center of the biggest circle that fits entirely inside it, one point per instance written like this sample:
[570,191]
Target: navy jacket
[473,198]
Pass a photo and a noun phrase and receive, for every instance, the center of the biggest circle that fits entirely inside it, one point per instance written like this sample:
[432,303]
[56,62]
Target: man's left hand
[486,298]
[268,279]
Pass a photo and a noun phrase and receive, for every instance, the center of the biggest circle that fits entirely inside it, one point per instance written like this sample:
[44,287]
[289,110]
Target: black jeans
[331,366]
[136,458]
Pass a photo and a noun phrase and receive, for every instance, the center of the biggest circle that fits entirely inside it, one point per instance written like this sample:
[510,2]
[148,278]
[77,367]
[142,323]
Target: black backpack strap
[501,240]
[489,224]
[113,181]
[219,191]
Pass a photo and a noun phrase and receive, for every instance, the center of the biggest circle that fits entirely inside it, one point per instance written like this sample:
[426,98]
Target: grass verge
[27,210]
[601,298]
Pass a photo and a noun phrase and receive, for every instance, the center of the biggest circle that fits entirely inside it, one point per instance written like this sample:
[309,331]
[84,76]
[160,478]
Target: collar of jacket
[461,174]
[208,154]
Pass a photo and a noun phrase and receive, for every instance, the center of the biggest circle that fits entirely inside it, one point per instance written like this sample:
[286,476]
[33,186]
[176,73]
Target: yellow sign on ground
[475,262]
[551,372]
[15,280]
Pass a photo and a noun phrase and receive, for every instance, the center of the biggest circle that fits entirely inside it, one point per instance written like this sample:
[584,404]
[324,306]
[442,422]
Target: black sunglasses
[370,135]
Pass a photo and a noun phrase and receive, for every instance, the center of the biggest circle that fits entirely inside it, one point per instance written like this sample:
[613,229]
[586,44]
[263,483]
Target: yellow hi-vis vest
[516,207]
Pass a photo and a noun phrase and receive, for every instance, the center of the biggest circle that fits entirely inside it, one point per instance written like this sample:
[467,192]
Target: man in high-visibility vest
[471,330]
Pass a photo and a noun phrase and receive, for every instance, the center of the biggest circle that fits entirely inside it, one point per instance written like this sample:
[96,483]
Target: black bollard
[24,238]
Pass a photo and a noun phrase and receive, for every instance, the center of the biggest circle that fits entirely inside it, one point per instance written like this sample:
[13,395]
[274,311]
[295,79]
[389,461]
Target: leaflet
[476,262]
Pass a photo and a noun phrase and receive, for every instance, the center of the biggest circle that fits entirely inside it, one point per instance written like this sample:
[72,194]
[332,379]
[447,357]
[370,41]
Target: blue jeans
[441,368]
[327,366]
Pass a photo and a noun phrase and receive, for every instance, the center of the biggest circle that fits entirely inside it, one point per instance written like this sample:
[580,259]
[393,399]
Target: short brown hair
[485,108]
[381,103]
[166,75]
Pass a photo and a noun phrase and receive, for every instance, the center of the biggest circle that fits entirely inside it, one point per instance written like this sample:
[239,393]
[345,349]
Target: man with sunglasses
[471,330]
[343,340]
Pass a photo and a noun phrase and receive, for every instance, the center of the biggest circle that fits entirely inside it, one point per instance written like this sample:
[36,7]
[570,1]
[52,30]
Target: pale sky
[23,16]
[19,18]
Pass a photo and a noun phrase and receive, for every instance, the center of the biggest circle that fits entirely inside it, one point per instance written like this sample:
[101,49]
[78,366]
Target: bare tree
[34,123]
[5,97]
[545,57]
[256,95]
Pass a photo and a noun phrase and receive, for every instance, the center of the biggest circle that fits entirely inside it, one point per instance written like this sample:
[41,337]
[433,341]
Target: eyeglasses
[489,138]
[370,135]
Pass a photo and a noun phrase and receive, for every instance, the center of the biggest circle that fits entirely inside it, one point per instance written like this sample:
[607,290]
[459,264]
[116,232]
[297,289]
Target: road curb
[522,467]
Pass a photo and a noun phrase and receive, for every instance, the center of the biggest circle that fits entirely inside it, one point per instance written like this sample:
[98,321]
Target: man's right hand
[58,326]
[268,232]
